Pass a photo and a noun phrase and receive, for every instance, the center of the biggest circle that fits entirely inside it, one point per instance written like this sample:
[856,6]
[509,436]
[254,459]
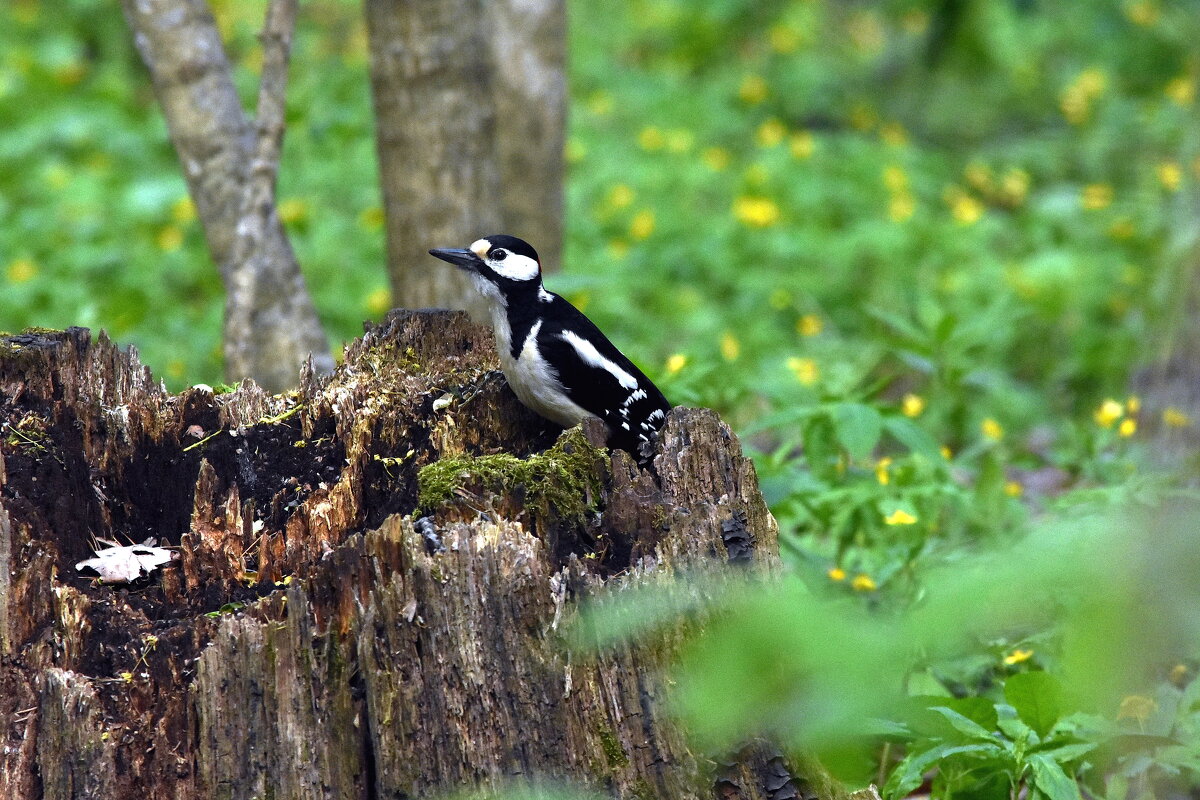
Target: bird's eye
[498,254]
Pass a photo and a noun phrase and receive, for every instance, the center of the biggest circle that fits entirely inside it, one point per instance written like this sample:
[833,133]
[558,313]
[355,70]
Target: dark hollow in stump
[336,627]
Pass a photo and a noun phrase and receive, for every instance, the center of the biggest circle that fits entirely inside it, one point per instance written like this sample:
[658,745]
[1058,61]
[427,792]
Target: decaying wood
[315,640]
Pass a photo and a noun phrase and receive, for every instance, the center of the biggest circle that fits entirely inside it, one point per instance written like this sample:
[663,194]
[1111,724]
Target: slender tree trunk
[470,107]
[271,325]
[314,639]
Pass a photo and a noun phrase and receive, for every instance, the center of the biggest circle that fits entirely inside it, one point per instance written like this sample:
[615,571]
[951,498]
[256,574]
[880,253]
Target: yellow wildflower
[651,138]
[1109,412]
[372,218]
[1179,675]
[1170,175]
[1018,656]
[620,196]
[805,370]
[618,248]
[1096,196]
[915,22]
[802,144]
[901,207]
[574,151]
[1174,418]
[580,300]
[680,140]
[753,89]
[170,239]
[1133,404]
[895,179]
[715,158]
[966,210]
[991,430]
[183,210]
[1142,12]
[378,301]
[784,38]
[881,471]
[756,212]
[900,517]
[600,103]
[21,270]
[642,224]
[1077,98]
[809,325]
[863,583]
[893,134]
[912,405]
[1014,186]
[676,362]
[770,133]
[837,574]
[946,452]
[1122,229]
[1136,706]
[1013,489]
[294,209]
[863,117]
[1128,427]
[866,31]
[730,347]
[1181,91]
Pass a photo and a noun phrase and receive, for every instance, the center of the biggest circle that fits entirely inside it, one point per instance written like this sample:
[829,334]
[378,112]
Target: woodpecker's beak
[463,259]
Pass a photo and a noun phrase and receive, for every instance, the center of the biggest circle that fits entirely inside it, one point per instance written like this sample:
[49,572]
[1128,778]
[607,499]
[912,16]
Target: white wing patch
[592,357]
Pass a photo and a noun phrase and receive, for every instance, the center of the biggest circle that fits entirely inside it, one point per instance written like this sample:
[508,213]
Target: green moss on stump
[566,478]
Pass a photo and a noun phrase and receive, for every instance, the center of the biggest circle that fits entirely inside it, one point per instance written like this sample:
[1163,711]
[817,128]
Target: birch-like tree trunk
[314,639]
[271,326]
[470,109]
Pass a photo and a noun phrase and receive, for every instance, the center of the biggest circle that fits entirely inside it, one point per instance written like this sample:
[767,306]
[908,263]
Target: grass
[912,258]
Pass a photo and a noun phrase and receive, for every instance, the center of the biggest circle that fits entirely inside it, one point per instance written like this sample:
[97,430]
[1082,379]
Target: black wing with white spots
[600,379]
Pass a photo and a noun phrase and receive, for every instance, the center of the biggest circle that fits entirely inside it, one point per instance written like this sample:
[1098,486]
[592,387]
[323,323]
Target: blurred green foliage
[911,249]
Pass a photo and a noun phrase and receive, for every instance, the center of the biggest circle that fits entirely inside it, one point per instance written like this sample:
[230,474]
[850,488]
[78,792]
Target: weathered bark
[1172,384]
[470,107]
[375,655]
[271,325]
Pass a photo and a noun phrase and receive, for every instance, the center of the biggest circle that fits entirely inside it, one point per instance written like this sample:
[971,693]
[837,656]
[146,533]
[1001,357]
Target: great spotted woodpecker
[557,361]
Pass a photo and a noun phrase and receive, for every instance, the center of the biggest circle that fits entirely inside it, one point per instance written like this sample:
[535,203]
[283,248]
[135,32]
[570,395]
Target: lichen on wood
[314,641]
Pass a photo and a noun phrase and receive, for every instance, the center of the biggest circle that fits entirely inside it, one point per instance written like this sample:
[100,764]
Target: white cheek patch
[515,267]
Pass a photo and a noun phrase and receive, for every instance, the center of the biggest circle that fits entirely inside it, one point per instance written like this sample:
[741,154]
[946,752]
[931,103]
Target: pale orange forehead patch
[480,247]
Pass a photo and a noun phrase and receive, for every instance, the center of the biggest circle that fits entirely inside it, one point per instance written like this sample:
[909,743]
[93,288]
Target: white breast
[533,380]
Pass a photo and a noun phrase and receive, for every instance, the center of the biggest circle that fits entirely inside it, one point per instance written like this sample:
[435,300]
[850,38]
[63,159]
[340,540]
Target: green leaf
[858,428]
[1051,780]
[1035,696]
[910,773]
[914,437]
[968,727]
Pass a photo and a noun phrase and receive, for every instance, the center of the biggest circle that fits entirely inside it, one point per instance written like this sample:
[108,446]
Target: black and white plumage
[557,361]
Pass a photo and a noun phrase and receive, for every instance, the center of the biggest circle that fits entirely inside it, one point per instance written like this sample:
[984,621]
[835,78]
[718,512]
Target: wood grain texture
[314,640]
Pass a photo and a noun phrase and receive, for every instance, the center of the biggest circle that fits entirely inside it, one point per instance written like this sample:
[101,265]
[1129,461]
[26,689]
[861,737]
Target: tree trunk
[271,326]
[376,654]
[470,107]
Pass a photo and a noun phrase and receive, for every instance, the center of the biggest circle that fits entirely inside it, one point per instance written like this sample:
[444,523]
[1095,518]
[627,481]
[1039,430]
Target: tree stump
[368,593]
